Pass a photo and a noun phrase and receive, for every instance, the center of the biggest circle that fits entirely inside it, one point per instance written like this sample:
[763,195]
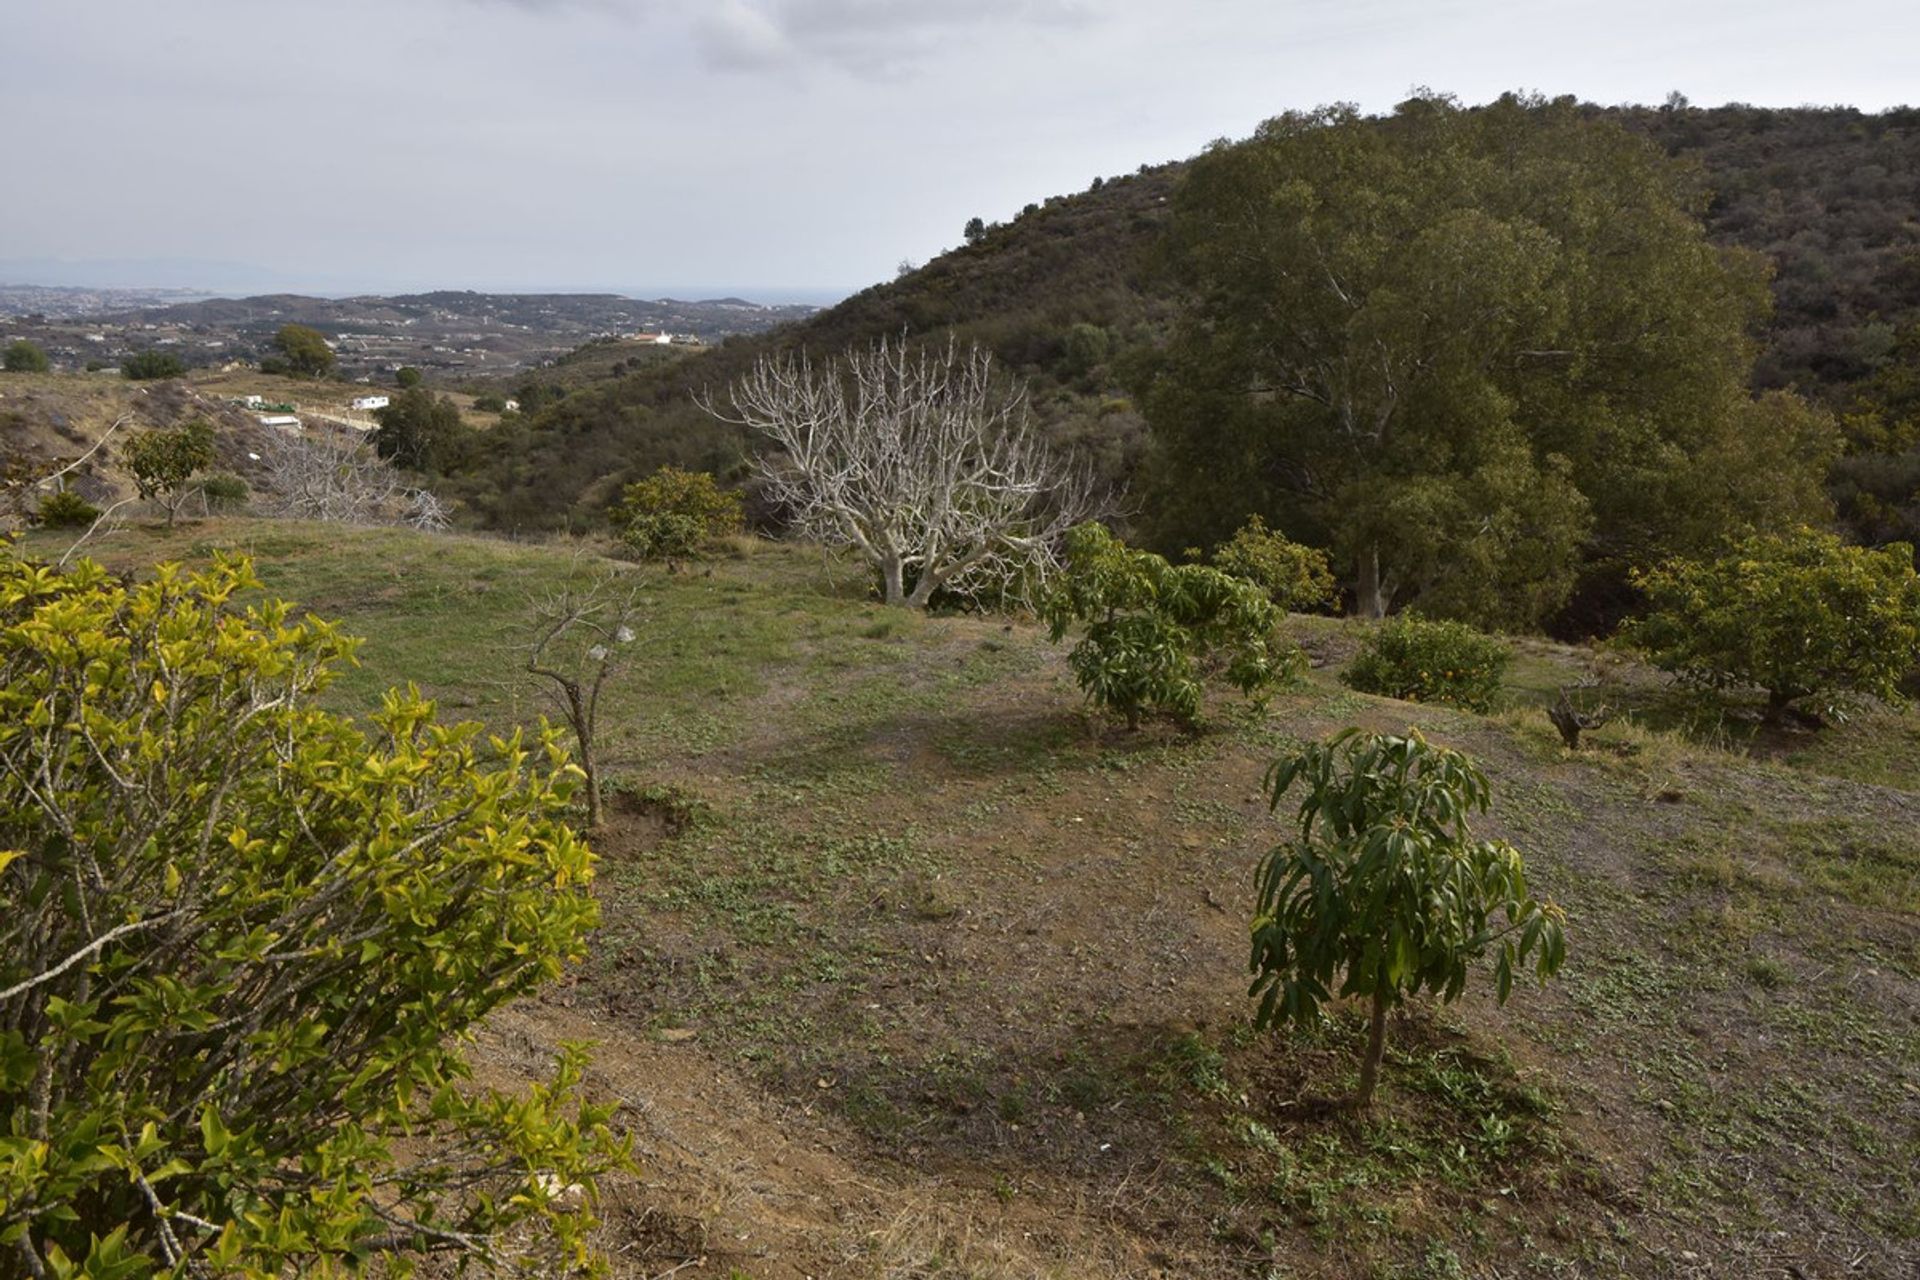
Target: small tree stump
[1570,720]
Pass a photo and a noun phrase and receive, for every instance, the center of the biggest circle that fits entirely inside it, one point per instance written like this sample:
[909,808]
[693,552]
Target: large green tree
[421,433]
[305,351]
[1472,351]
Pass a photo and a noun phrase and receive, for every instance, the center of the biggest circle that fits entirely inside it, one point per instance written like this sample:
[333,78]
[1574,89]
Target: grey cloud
[737,36]
[878,38]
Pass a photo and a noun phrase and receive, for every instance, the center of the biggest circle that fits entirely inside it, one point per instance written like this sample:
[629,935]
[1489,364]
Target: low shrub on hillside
[674,513]
[1152,625]
[224,491]
[144,366]
[1419,659]
[1295,577]
[24,357]
[1802,616]
[65,509]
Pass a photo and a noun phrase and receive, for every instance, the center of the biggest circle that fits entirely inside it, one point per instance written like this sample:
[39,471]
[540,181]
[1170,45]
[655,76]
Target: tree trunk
[583,740]
[593,784]
[1376,1045]
[892,579]
[1369,601]
[1778,703]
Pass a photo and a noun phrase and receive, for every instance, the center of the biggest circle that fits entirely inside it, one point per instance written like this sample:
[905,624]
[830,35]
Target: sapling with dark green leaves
[1383,892]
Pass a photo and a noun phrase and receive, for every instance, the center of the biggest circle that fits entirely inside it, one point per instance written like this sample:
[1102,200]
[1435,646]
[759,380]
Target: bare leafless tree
[336,476]
[925,461]
[578,636]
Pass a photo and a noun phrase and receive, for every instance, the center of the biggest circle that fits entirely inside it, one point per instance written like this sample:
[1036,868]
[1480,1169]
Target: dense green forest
[1077,296]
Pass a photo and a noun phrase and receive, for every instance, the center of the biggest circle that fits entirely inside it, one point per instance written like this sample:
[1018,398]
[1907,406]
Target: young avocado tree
[1802,616]
[241,940]
[164,462]
[1383,892]
[1150,624]
[921,459]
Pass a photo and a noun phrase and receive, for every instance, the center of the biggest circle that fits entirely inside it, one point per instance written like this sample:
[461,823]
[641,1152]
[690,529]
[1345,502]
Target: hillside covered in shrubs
[1074,296]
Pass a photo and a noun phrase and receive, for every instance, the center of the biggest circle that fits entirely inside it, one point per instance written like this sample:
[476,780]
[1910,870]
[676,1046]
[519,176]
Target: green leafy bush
[1149,626]
[1420,659]
[225,491]
[1384,891]
[674,513]
[144,366]
[422,433]
[24,357]
[65,509]
[241,938]
[1803,616]
[1295,577]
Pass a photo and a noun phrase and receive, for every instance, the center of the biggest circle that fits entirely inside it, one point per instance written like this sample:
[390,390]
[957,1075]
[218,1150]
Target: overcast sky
[772,148]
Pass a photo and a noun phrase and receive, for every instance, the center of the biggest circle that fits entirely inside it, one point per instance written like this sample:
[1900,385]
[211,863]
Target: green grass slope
[911,966]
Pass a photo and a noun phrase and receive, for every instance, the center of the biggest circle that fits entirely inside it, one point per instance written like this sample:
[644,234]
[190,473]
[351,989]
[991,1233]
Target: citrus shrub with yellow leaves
[1419,659]
[1296,578]
[1816,624]
[241,938]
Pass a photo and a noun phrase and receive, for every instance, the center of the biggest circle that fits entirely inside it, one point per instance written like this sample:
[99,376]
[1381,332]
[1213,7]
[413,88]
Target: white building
[370,402]
[285,421]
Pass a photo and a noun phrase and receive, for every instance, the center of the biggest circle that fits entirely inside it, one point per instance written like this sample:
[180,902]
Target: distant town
[452,334]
